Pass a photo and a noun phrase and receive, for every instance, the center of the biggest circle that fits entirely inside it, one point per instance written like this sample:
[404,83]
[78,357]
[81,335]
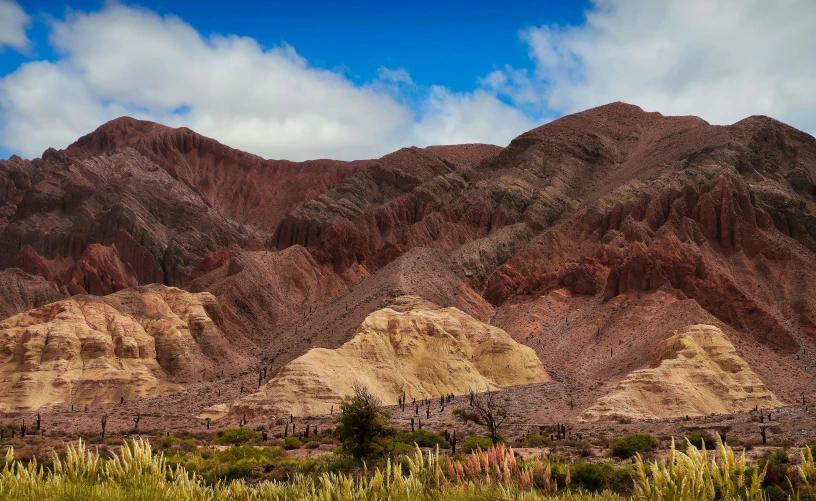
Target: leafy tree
[362,424]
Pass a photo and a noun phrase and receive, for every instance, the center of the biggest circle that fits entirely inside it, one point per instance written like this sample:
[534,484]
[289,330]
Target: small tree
[486,411]
[362,423]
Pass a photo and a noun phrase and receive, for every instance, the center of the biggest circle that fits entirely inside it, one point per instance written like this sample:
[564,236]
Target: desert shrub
[699,438]
[536,441]
[137,472]
[635,443]
[590,476]
[312,445]
[775,493]
[423,438]
[291,443]
[584,448]
[692,476]
[473,443]
[776,468]
[167,442]
[240,435]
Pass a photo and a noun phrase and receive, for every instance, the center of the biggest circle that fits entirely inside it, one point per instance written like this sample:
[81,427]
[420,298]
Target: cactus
[23,430]
[138,418]
[762,431]
[453,443]
[104,424]
[38,422]
[412,425]
[208,423]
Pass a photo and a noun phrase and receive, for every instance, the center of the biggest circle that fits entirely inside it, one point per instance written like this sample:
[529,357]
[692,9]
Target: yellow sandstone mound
[412,346]
[91,350]
[694,372]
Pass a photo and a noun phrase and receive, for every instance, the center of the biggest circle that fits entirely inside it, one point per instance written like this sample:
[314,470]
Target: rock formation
[411,347]
[695,372]
[134,344]
[20,292]
[586,239]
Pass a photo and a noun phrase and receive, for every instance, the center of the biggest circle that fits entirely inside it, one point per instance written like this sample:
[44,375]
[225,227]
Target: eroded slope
[411,346]
[694,372]
[137,343]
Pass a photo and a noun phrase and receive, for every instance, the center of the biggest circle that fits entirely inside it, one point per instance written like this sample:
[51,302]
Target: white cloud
[722,60]
[398,76]
[13,25]
[452,118]
[124,60]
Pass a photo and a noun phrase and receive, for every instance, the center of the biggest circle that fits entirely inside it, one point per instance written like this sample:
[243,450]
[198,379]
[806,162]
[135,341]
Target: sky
[320,79]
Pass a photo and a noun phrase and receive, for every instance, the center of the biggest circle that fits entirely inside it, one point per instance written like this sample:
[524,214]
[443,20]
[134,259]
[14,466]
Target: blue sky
[447,43]
[320,79]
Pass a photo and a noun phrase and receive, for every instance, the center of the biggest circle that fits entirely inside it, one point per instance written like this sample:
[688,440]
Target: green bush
[775,493]
[473,443]
[240,435]
[536,441]
[312,445]
[700,437]
[635,443]
[423,438]
[290,443]
[590,476]
[776,464]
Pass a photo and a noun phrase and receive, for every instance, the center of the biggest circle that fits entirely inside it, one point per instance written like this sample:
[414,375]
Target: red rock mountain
[590,239]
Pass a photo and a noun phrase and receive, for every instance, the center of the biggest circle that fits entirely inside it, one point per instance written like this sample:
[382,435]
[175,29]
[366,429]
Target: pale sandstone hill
[411,346]
[694,372]
[85,350]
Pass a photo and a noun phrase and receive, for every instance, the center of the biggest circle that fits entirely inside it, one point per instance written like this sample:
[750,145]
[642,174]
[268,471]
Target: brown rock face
[164,198]
[242,187]
[20,292]
[138,343]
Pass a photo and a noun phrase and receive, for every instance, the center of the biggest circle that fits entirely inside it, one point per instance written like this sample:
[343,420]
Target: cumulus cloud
[13,25]
[125,60]
[453,118]
[722,60]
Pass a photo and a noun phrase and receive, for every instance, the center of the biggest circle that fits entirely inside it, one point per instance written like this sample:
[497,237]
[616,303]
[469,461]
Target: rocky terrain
[695,372]
[593,240]
[412,349]
[138,343]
